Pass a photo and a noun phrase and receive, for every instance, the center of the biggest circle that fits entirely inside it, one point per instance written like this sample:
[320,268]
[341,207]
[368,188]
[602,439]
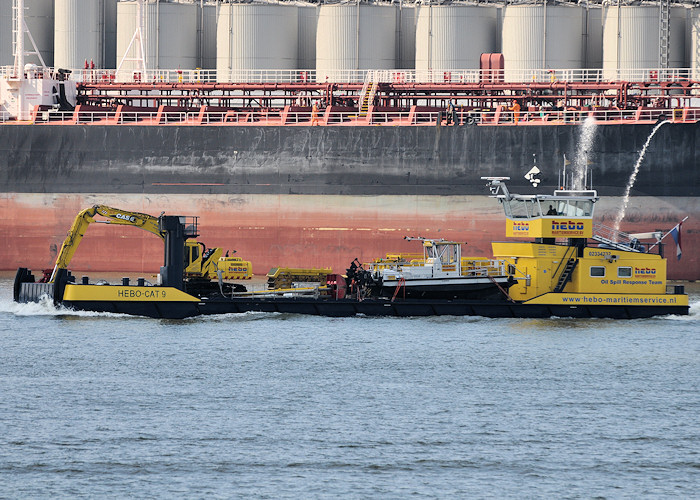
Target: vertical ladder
[369,90]
[664,33]
[565,275]
[18,37]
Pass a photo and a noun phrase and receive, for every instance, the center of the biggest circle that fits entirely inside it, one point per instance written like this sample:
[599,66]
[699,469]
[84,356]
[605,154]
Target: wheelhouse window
[597,272]
[522,208]
[575,208]
[624,272]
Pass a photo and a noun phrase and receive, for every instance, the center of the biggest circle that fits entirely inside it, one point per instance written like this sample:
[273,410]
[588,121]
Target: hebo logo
[567,226]
[644,272]
[521,226]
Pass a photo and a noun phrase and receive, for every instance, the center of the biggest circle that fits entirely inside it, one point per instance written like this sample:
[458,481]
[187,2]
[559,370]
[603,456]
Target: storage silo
[255,37]
[406,40]
[6,56]
[541,37]
[306,48]
[693,42]
[690,17]
[353,37]
[454,36]
[83,31]
[110,40]
[39,16]
[206,35]
[631,40]
[170,34]
[593,37]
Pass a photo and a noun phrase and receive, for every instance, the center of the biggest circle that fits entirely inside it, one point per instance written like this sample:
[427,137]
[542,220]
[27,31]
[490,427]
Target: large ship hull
[320,195]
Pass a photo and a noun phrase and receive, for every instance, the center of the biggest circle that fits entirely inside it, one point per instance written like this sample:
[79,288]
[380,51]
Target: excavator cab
[203,262]
[200,261]
[192,254]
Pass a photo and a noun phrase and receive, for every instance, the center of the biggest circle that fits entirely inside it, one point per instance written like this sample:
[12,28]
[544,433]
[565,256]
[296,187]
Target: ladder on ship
[369,90]
[664,32]
[568,270]
[566,275]
[613,238]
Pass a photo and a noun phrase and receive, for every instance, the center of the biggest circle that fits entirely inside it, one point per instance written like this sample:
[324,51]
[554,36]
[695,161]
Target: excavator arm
[87,217]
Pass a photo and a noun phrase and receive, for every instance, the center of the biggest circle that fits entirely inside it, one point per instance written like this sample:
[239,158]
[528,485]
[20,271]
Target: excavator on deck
[201,264]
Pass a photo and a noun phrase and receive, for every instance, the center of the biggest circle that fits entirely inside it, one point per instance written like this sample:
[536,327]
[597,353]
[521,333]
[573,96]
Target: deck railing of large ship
[278,117]
[395,76]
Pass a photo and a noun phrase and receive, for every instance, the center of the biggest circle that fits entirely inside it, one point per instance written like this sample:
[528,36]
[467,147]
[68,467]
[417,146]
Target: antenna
[138,40]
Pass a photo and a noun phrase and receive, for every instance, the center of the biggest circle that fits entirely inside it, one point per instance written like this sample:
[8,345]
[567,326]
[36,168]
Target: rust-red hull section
[298,230]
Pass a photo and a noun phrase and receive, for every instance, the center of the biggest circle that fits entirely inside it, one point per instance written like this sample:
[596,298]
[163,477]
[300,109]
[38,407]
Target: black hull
[360,160]
[483,291]
[372,307]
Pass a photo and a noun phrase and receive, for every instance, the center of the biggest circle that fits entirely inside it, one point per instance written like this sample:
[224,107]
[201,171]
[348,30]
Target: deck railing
[612,234]
[482,267]
[394,76]
[262,116]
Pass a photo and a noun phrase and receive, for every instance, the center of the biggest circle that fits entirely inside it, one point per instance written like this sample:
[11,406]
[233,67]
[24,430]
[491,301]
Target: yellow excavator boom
[87,217]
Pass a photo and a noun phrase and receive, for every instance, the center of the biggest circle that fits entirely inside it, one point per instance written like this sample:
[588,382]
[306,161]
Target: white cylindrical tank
[255,37]
[693,41]
[170,34]
[110,40]
[354,37]
[306,48]
[454,36]
[82,31]
[6,58]
[631,40]
[593,37]
[206,36]
[689,22]
[39,16]
[40,22]
[406,39]
[541,37]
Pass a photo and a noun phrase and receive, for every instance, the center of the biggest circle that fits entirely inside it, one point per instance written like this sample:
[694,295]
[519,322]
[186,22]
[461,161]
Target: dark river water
[284,406]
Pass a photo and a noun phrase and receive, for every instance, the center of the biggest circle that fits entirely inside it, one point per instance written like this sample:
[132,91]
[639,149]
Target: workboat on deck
[440,273]
[570,267]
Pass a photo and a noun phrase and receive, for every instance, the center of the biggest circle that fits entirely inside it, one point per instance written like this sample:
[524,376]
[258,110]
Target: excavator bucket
[27,290]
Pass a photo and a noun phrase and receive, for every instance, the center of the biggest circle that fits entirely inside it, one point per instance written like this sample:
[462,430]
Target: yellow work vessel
[574,261]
